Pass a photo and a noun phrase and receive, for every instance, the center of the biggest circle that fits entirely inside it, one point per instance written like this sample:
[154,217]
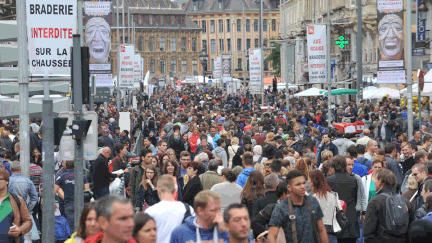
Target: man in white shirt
[372,146]
[168,213]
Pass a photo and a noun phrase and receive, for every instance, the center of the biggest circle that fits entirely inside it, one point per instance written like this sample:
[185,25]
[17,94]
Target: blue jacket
[187,232]
[23,187]
[241,180]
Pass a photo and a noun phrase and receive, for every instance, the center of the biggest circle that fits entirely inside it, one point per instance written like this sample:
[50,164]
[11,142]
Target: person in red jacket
[115,217]
[193,139]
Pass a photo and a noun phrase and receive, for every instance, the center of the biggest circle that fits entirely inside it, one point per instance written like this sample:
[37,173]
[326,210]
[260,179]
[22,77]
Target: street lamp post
[203,57]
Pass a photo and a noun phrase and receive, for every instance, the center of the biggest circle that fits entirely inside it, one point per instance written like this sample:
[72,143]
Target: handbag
[341,217]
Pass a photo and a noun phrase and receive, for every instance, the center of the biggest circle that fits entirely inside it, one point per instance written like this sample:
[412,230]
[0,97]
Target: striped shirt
[36,176]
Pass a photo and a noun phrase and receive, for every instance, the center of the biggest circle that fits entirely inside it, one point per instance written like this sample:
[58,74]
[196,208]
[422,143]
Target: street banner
[226,68]
[50,26]
[126,79]
[137,70]
[421,22]
[317,53]
[217,69]
[255,62]
[98,34]
[390,42]
[104,80]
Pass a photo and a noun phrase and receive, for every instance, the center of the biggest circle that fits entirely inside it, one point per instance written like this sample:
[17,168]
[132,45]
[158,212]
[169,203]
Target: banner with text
[255,62]
[217,69]
[390,42]
[226,68]
[317,53]
[137,70]
[50,26]
[126,79]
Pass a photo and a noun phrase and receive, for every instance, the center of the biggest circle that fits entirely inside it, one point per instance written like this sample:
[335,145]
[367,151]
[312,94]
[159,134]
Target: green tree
[275,58]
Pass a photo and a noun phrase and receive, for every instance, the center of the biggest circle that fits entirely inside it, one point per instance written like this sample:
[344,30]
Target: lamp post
[203,57]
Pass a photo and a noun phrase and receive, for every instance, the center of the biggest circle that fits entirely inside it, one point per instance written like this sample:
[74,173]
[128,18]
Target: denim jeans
[101,192]
[332,238]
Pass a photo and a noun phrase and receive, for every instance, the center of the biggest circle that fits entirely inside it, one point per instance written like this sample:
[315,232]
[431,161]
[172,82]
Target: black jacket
[308,143]
[262,219]
[101,173]
[279,152]
[192,188]
[408,164]
[261,203]
[150,196]
[373,229]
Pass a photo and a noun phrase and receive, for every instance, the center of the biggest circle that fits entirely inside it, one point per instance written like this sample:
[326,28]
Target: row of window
[228,44]
[240,65]
[152,45]
[162,67]
[239,25]
[157,20]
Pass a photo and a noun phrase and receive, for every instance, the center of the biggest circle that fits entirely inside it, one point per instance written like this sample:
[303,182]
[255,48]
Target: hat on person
[385,116]
[111,120]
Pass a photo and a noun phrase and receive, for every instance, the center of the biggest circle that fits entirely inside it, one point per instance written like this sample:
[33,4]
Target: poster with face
[390,42]
[98,34]
[226,68]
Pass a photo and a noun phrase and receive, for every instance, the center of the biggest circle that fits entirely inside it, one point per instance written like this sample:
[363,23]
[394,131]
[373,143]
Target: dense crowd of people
[200,165]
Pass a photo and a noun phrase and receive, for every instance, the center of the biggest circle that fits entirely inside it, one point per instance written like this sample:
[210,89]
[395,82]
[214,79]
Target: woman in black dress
[194,186]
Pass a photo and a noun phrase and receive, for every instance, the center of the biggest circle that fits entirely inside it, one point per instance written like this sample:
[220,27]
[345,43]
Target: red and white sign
[126,78]
[317,53]
[50,26]
[137,70]
[217,70]
[255,62]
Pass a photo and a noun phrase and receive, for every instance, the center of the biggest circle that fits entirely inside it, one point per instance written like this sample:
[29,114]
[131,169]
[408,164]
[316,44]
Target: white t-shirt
[167,215]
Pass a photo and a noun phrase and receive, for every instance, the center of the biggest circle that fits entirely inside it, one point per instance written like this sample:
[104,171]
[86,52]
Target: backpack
[363,162]
[16,198]
[396,214]
[236,159]
[62,229]
[188,212]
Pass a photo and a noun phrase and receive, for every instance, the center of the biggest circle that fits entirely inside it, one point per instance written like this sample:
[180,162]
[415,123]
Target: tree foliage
[275,59]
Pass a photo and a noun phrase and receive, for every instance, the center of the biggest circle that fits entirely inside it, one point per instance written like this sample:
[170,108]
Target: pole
[329,116]
[244,53]
[23,89]
[118,53]
[129,26]
[79,153]
[285,56]
[105,109]
[262,51]
[123,22]
[359,52]
[80,21]
[48,167]
[92,92]
[408,40]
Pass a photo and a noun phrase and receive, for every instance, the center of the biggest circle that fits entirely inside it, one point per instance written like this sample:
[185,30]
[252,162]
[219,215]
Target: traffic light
[85,73]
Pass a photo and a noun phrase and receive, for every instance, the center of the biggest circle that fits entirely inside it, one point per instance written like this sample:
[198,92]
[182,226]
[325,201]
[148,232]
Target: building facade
[297,14]
[165,36]
[227,31]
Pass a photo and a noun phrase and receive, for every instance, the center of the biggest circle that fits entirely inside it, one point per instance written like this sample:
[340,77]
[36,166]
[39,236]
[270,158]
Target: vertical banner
[421,22]
[226,68]
[217,69]
[255,62]
[126,66]
[317,53]
[390,42]
[137,70]
[97,37]
[50,27]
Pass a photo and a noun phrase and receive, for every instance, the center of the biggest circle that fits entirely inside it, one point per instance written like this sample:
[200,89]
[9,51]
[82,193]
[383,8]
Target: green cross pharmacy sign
[341,42]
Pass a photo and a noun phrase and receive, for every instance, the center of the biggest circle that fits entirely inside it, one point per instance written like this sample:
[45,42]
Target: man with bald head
[101,174]
[365,139]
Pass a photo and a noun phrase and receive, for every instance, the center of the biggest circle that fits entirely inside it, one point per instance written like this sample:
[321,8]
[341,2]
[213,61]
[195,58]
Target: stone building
[300,13]
[165,36]
[225,31]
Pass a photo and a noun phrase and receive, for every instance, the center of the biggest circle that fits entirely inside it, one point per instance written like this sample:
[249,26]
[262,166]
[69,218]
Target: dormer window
[220,4]
[195,7]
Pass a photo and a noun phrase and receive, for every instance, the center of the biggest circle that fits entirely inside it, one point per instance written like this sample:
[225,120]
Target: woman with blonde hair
[412,191]
[270,137]
[233,150]
[147,192]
